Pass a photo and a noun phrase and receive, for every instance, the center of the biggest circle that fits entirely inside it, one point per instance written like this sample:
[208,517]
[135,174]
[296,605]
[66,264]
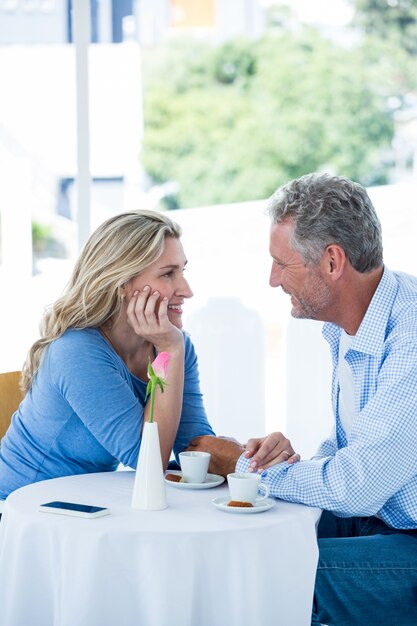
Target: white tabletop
[188,565]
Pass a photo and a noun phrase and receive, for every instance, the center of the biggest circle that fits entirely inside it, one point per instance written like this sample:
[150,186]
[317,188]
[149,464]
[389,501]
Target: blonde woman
[85,378]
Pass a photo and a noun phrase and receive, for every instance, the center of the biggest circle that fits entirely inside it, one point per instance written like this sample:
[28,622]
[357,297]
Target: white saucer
[259,506]
[212,480]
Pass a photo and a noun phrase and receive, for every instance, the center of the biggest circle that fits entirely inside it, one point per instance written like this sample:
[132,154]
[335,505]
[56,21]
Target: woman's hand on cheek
[147,314]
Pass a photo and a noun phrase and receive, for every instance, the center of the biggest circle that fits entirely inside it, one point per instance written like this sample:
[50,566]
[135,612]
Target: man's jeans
[367,573]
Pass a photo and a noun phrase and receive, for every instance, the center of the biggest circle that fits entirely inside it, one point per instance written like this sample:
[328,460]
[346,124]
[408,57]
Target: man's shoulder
[406,286]
[404,299]
[396,291]
[404,308]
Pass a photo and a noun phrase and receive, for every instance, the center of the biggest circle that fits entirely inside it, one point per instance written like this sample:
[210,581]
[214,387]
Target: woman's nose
[184,289]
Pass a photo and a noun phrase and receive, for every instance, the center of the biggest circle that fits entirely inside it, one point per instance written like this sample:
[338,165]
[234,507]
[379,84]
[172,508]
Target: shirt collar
[370,336]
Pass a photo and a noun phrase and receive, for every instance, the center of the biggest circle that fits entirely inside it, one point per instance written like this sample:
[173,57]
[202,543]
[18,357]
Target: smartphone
[71,508]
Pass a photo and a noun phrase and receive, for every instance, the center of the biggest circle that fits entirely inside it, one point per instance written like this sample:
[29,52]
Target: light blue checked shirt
[374,471]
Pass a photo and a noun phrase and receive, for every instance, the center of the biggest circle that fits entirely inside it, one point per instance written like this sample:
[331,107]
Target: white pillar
[230,343]
[134,196]
[82,36]
[309,381]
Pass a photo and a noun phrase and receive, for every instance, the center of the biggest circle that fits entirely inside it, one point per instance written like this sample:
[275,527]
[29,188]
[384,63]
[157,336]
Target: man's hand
[224,452]
[267,451]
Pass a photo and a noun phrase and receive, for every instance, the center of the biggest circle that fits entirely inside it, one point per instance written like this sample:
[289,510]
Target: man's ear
[334,261]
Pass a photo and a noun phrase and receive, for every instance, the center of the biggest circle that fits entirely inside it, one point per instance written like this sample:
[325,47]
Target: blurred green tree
[231,123]
[395,20]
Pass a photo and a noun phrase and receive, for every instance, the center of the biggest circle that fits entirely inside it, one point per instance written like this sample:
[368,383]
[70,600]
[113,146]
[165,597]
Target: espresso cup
[194,466]
[244,487]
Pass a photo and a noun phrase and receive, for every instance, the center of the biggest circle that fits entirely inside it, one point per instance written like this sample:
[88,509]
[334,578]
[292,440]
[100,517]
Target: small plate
[212,480]
[258,507]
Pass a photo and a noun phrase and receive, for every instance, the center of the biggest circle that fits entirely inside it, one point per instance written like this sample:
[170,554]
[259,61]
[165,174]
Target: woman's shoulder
[188,343]
[78,341]
[189,349]
[80,352]
[79,336]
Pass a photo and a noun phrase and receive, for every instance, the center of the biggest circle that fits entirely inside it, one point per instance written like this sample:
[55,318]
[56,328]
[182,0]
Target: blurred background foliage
[231,123]
[395,20]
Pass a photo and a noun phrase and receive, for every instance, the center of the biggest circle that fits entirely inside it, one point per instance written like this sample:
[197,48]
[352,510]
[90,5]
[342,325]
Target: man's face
[310,295]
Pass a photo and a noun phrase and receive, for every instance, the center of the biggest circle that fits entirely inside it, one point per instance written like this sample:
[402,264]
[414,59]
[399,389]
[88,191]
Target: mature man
[327,256]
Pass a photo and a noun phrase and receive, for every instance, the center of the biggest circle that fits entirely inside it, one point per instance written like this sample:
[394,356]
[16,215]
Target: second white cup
[194,466]
[244,487]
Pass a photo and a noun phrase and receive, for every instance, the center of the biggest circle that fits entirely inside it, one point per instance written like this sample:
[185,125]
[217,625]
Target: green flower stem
[152,400]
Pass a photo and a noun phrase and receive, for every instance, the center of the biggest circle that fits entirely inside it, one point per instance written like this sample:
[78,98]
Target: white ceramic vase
[149,488]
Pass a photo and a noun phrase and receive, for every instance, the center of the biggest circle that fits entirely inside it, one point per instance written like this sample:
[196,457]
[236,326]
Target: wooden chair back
[10,398]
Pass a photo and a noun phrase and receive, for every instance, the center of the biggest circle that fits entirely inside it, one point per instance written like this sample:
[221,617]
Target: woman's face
[166,275]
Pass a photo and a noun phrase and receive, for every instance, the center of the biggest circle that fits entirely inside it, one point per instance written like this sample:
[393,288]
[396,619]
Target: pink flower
[160,365]
[157,373]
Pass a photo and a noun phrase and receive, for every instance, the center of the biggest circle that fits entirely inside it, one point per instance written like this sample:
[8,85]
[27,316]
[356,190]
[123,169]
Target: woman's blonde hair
[120,249]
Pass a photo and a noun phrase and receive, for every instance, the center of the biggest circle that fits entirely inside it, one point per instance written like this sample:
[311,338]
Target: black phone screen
[72,506]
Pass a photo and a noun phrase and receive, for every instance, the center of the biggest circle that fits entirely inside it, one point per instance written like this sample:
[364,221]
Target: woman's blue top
[84,413]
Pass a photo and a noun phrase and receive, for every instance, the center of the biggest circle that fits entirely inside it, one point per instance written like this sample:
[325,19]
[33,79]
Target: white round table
[189,565]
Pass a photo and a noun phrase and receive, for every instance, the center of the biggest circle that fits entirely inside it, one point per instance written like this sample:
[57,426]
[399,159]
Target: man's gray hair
[329,209]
